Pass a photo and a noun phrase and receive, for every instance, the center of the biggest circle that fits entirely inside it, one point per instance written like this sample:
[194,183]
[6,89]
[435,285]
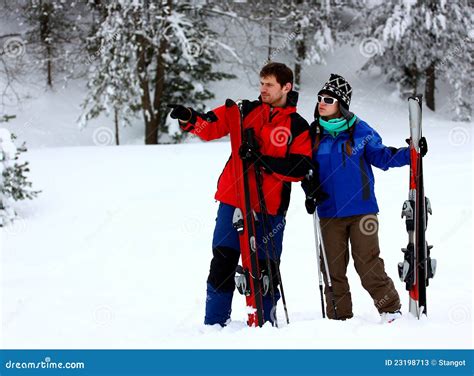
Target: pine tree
[161,54]
[297,32]
[52,35]
[456,65]
[415,37]
[112,86]
[14,185]
[311,21]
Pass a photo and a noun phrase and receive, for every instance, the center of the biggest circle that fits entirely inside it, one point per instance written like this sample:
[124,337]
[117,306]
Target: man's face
[272,92]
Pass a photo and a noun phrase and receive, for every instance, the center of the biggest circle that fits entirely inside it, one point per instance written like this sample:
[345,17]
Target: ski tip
[229,102]
[417,97]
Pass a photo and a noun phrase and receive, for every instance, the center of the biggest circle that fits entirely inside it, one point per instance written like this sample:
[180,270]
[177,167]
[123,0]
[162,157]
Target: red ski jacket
[284,141]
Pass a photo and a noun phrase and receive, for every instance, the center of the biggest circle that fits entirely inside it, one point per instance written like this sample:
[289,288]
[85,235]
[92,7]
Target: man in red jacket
[284,150]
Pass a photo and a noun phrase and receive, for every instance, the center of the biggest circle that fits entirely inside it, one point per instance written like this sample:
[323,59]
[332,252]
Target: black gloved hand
[314,194]
[423,144]
[250,153]
[180,112]
[312,202]
[310,205]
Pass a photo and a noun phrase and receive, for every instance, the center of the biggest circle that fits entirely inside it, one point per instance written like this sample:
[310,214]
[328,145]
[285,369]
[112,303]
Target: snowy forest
[135,57]
[103,196]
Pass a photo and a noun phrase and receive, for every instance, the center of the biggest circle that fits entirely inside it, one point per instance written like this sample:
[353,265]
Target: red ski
[417,267]
[248,278]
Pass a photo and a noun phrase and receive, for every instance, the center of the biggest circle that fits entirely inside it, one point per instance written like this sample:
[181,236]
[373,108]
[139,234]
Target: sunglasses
[326,100]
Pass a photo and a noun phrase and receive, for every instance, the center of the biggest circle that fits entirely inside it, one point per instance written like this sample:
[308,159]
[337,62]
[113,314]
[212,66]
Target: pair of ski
[252,280]
[417,267]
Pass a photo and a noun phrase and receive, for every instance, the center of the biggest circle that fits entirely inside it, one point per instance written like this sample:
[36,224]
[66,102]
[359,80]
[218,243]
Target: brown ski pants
[362,231]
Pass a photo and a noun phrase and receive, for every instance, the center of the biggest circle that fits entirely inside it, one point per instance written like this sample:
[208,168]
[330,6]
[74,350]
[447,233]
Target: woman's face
[328,110]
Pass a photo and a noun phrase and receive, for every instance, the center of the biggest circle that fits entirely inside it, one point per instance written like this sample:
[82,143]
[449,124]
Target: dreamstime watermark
[369,225]
[280,136]
[462,219]
[194,47]
[103,315]
[382,302]
[275,230]
[192,225]
[361,145]
[281,47]
[103,136]
[369,47]
[459,314]
[455,52]
[459,136]
[44,364]
[200,125]
[91,57]
[17,226]
[13,47]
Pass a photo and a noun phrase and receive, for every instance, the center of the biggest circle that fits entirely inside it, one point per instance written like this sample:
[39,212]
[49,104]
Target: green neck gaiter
[336,126]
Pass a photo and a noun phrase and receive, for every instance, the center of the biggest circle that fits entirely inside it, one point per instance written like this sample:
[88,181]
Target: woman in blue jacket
[344,150]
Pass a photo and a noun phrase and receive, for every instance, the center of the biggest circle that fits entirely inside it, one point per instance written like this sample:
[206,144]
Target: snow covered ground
[115,251]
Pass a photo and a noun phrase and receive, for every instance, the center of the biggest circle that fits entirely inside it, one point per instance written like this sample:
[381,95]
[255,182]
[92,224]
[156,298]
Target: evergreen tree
[151,56]
[311,21]
[417,39]
[14,185]
[52,35]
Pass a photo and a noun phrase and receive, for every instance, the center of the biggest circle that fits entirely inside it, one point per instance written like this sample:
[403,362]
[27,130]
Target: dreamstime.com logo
[44,364]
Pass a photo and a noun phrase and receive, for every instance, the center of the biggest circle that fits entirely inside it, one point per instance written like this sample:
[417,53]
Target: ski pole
[318,256]
[277,265]
[325,262]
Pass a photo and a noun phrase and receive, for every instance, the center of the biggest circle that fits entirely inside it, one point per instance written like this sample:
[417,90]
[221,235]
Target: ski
[417,267]
[248,276]
[251,140]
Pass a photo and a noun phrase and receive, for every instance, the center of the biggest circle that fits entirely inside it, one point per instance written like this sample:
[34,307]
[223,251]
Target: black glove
[250,153]
[423,144]
[310,205]
[180,112]
[314,194]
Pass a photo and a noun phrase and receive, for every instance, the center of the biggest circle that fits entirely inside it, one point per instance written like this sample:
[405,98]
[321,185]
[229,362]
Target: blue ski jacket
[345,168]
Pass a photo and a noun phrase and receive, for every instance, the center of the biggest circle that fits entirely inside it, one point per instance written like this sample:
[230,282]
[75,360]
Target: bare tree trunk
[415,81]
[45,33]
[430,70]
[270,25]
[149,116]
[151,131]
[49,66]
[159,82]
[151,107]
[299,44]
[159,85]
[410,80]
[300,56]
[430,86]
[117,141]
